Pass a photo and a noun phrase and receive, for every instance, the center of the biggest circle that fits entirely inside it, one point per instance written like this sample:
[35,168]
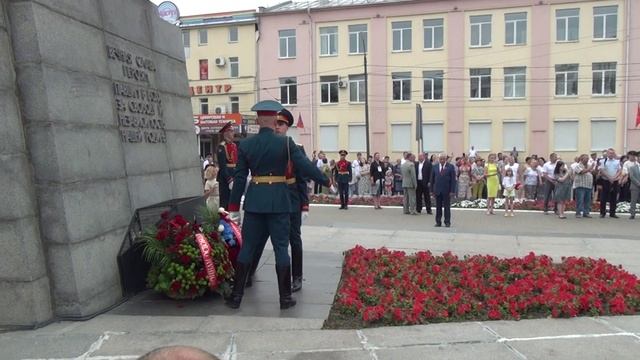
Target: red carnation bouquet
[178,266]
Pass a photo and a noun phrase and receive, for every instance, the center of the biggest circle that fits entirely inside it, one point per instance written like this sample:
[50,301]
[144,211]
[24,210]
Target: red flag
[300,124]
[638,116]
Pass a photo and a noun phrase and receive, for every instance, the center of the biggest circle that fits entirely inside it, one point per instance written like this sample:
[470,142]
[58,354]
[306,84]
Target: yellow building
[220,53]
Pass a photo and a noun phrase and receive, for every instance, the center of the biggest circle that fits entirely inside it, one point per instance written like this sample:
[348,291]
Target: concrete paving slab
[319,355]
[217,324]
[22,346]
[300,340]
[624,323]
[617,347]
[138,344]
[449,352]
[546,327]
[432,334]
[139,324]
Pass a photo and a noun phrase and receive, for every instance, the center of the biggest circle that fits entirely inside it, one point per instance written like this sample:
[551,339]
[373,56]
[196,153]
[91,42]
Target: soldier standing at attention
[343,176]
[299,208]
[227,158]
[267,203]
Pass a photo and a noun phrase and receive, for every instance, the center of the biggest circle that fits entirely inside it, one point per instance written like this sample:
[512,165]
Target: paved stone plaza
[259,330]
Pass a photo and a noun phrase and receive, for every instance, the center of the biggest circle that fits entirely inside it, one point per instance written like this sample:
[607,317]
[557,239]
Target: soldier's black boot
[284,286]
[240,280]
[296,269]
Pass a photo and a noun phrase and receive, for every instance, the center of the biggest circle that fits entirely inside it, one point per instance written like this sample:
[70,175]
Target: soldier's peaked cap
[267,107]
[286,115]
[343,152]
[226,127]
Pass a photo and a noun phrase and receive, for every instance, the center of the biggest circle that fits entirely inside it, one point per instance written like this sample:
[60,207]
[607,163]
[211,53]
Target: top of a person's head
[178,353]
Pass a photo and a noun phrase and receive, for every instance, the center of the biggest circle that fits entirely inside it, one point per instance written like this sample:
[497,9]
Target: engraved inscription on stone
[138,107]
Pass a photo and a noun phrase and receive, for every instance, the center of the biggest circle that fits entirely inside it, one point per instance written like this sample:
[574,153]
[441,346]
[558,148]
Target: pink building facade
[539,121]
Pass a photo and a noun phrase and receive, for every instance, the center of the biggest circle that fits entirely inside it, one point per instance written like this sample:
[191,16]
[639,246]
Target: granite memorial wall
[95,122]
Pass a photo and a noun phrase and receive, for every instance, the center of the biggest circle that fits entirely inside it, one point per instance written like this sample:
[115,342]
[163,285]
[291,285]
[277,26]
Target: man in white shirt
[549,181]
[472,152]
[404,157]
[610,174]
[355,168]
[207,161]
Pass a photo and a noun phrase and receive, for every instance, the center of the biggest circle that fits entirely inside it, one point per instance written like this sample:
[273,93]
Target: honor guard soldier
[227,159]
[299,208]
[343,175]
[267,204]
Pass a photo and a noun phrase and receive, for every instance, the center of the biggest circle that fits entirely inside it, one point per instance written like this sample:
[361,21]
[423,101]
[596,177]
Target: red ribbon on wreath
[209,266]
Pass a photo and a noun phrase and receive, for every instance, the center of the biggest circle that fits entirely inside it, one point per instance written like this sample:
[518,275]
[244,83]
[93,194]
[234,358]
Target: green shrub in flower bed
[396,200]
[383,287]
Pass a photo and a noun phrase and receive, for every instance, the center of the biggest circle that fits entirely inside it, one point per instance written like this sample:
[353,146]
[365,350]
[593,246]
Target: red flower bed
[384,287]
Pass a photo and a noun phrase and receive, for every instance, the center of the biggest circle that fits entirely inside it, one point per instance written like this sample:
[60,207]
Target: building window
[357,90]
[480,30]
[605,22]
[204,69]
[401,35]
[204,106]
[287,43]
[567,80]
[328,137]
[202,37]
[328,89]
[480,83]
[357,138]
[288,91]
[515,82]
[433,34]
[401,86]
[567,24]
[233,34]
[432,85]
[565,134]
[604,78]
[400,137]
[186,40]
[357,39]
[328,41]
[433,137]
[603,134]
[480,135]
[234,67]
[513,134]
[235,104]
[515,28]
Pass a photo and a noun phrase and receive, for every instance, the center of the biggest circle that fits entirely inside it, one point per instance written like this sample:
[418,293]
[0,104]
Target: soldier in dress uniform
[299,208]
[227,158]
[343,175]
[267,203]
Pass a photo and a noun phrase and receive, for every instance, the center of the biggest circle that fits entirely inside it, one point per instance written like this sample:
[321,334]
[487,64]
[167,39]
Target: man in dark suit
[423,174]
[443,179]
[267,203]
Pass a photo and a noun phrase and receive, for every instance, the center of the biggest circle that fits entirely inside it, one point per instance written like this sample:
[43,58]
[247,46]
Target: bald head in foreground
[178,353]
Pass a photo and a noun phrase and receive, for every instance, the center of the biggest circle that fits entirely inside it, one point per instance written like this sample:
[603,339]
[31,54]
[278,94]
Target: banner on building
[212,123]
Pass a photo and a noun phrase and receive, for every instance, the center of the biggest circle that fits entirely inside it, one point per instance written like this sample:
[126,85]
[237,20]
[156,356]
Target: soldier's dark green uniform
[343,174]
[299,203]
[267,201]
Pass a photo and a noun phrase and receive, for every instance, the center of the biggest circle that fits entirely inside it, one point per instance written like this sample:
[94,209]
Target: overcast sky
[195,7]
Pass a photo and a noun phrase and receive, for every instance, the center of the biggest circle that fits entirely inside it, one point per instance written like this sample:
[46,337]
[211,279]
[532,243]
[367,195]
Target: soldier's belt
[290,181]
[343,172]
[269,179]
[231,165]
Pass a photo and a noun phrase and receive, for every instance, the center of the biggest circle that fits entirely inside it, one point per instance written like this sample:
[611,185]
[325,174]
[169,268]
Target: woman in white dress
[364,183]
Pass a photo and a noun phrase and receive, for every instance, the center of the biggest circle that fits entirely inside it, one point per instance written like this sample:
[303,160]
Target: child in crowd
[509,193]
[211,187]
[388,182]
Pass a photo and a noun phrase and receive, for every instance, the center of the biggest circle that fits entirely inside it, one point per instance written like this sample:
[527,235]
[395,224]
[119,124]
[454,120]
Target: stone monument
[95,122]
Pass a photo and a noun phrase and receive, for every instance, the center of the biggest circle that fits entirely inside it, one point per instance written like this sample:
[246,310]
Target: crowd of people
[585,179]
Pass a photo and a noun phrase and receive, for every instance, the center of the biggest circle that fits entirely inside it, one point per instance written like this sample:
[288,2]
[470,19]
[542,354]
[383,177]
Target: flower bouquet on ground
[187,259]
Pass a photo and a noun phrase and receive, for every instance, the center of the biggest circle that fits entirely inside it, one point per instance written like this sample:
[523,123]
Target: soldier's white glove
[231,185]
[235,217]
[305,215]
